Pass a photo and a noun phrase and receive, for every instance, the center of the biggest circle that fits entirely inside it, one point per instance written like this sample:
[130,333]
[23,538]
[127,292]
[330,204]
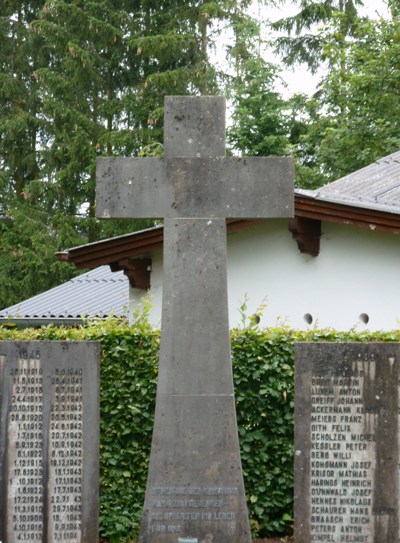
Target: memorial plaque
[347,442]
[49,442]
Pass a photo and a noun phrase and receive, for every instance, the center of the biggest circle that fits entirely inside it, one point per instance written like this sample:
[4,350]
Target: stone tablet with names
[347,442]
[49,442]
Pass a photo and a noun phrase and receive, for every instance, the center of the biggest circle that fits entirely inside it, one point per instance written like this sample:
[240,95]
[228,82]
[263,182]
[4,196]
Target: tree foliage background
[84,78]
[79,79]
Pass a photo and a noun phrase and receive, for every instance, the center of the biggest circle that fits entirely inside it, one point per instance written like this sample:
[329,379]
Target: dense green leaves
[21,53]
[28,242]
[351,121]
[303,42]
[263,375]
[128,377]
[259,124]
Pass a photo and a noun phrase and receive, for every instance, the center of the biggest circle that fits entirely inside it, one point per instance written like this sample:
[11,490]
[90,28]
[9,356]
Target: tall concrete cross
[195,491]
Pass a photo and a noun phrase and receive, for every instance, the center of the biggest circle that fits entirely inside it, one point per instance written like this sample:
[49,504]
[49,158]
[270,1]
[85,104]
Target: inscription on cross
[195,488]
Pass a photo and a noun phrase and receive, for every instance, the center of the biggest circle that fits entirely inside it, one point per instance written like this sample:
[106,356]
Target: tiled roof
[375,187]
[98,292]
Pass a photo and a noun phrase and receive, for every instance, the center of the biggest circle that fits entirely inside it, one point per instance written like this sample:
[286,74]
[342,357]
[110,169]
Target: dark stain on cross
[195,490]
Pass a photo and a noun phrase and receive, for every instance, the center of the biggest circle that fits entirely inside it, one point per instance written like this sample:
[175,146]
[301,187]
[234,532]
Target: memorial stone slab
[49,442]
[195,491]
[347,442]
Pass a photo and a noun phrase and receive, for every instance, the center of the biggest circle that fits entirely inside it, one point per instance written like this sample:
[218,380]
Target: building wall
[354,279]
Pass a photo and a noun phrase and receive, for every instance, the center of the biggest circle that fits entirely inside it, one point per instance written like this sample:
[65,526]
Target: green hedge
[263,373]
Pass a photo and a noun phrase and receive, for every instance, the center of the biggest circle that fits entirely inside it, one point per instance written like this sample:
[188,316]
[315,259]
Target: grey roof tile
[376,186]
[98,292]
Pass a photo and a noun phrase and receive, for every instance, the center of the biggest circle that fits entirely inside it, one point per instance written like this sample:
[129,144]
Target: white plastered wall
[356,274]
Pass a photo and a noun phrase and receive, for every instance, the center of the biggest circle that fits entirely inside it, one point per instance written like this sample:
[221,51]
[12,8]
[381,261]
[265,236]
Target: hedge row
[263,373]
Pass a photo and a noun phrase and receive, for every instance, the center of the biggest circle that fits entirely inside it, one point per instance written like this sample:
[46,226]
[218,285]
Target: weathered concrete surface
[186,187]
[195,449]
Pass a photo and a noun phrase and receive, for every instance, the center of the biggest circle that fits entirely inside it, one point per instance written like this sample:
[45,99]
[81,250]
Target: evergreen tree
[20,103]
[304,41]
[79,79]
[111,65]
[26,235]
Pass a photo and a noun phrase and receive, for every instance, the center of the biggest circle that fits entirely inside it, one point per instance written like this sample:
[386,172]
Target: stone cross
[195,491]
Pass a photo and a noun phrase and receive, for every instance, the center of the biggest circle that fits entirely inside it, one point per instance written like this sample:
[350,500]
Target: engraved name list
[49,398]
[347,432]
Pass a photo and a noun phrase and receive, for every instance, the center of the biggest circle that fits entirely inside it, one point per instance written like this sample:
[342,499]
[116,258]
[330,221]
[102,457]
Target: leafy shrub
[264,389]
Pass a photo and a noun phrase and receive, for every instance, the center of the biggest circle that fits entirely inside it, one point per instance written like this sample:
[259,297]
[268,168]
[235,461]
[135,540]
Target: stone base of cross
[195,491]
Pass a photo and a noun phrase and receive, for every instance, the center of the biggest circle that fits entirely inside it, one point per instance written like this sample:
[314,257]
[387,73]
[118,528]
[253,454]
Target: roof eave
[331,211]
[143,244]
[307,204]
